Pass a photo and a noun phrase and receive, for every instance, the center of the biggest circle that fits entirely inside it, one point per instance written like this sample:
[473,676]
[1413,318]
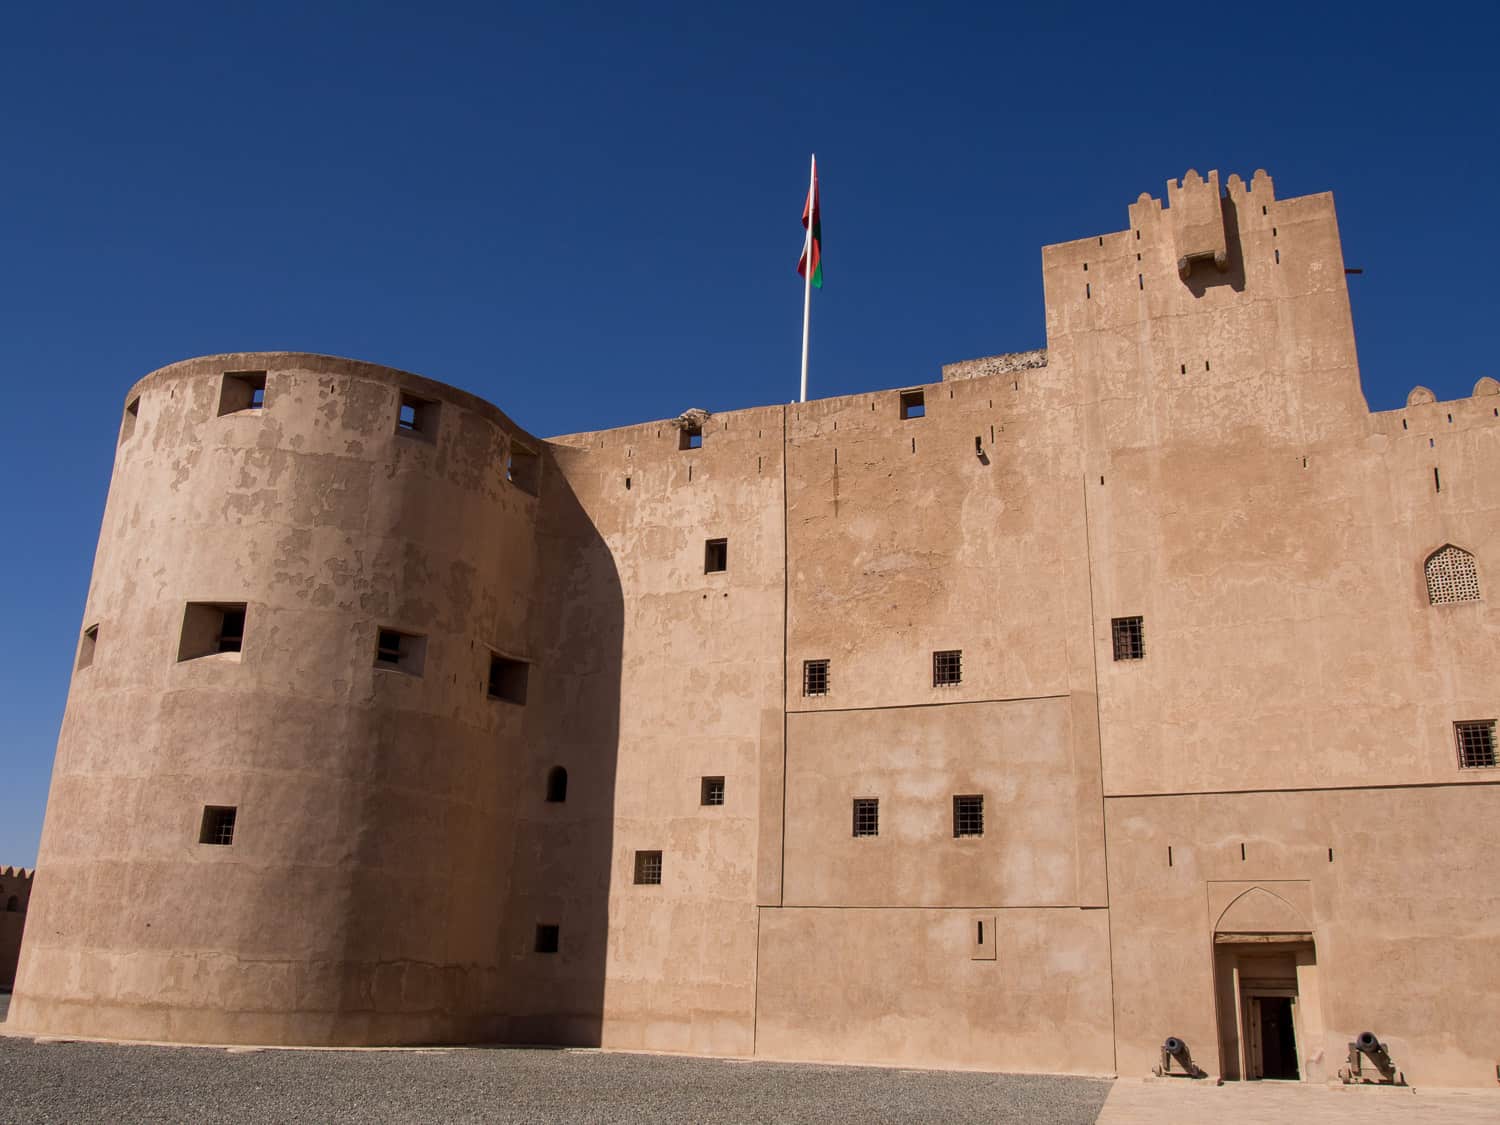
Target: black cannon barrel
[1174,1046]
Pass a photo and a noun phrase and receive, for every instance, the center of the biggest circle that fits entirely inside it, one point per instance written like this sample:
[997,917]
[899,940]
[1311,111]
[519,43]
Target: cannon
[1370,1063]
[1177,1061]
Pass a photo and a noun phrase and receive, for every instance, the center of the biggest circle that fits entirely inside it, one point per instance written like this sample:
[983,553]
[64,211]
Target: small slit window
[867,816]
[715,556]
[1129,635]
[400,652]
[968,815]
[508,677]
[523,468]
[417,416]
[947,667]
[690,437]
[1476,744]
[711,792]
[218,825]
[1451,576]
[86,646]
[127,423]
[209,628]
[648,868]
[557,785]
[546,938]
[13,905]
[242,390]
[913,405]
[815,677]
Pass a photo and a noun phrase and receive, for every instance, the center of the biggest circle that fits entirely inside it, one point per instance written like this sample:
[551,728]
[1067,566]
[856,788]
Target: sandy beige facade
[15,897]
[1205,755]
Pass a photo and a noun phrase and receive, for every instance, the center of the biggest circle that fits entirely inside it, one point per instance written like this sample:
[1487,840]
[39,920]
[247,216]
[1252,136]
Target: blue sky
[590,214]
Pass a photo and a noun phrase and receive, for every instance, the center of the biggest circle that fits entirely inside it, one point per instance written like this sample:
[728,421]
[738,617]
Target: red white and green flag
[812,222]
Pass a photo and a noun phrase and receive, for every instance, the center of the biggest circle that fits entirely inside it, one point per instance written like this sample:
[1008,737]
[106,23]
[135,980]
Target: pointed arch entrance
[1265,982]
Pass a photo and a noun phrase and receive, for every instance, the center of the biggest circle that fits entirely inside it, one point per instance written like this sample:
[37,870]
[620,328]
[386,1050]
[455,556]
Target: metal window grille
[1451,577]
[947,667]
[232,631]
[1130,638]
[648,868]
[968,815]
[546,939]
[815,677]
[713,791]
[1476,744]
[218,826]
[388,647]
[867,816]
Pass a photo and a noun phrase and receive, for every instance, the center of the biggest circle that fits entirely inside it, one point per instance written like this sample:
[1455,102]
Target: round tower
[281,805]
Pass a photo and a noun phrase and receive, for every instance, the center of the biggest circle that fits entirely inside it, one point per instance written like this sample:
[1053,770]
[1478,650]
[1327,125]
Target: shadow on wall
[557,929]
[1205,276]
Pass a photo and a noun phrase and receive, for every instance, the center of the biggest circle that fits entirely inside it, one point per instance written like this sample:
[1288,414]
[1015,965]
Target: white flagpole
[812,200]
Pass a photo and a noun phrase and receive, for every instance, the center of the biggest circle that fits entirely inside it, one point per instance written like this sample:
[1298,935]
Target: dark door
[1278,1045]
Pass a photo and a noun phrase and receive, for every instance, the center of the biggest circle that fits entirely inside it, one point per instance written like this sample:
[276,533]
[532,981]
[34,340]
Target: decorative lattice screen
[1452,577]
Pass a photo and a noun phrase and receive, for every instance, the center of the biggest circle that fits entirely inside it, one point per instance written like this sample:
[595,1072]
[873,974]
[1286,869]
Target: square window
[968,815]
[690,437]
[913,405]
[523,468]
[242,390]
[648,868]
[715,556]
[867,816]
[417,416]
[1476,744]
[947,667]
[218,825]
[211,627]
[815,677]
[400,652]
[1129,637]
[508,679]
[712,792]
[86,646]
[546,938]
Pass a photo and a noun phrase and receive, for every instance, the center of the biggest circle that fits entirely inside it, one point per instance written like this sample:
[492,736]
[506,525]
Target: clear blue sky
[589,214]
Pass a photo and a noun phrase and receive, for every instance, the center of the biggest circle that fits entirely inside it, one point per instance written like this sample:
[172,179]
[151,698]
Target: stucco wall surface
[903,987]
[358,902]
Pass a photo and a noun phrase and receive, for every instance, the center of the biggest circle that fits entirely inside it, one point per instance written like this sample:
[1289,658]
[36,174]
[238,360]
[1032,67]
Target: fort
[1140,688]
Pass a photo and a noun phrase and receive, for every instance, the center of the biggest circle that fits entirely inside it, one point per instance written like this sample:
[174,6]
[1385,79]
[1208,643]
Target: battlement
[21,873]
[1006,364]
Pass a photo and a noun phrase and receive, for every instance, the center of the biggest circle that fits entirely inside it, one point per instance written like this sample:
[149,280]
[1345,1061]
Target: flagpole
[812,203]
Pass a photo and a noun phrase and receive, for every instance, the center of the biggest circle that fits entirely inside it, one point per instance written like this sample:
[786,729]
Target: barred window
[217,826]
[648,868]
[947,667]
[968,815]
[815,677]
[712,791]
[1476,744]
[1130,637]
[867,816]
[1451,576]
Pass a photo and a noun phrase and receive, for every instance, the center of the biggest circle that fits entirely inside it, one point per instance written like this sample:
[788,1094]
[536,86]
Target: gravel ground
[82,1082]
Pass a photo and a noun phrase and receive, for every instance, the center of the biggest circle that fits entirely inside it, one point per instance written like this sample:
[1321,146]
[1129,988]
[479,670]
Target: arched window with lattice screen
[1451,576]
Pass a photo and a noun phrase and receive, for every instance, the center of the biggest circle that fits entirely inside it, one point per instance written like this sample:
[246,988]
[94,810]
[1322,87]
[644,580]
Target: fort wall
[1090,696]
[15,898]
